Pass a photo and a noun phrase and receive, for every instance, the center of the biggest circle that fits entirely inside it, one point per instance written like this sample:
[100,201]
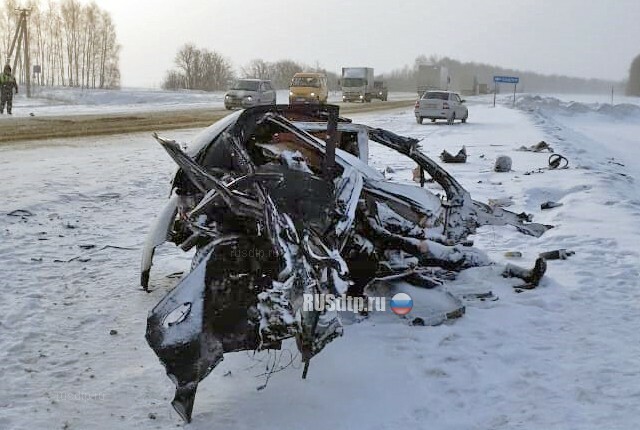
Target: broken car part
[558,254]
[538,147]
[278,202]
[502,164]
[460,157]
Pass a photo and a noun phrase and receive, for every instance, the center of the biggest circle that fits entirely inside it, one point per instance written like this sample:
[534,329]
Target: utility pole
[612,95]
[21,40]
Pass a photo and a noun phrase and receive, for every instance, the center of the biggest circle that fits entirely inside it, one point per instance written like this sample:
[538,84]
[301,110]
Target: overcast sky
[585,38]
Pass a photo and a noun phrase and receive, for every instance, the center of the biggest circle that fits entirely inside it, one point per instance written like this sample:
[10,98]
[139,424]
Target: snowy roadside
[562,356]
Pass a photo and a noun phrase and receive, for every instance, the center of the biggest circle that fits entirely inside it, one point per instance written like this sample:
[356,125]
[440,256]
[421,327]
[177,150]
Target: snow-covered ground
[563,356]
[47,101]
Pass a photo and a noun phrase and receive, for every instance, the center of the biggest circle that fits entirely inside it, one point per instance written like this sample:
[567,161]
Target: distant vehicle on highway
[308,88]
[357,84]
[432,77]
[441,105]
[250,92]
[380,90]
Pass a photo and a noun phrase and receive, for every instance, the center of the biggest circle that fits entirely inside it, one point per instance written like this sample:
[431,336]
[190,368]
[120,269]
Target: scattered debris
[612,161]
[558,254]
[113,332]
[550,205]
[417,321]
[557,161]
[273,219]
[503,164]
[79,258]
[418,175]
[460,157]
[481,296]
[530,276]
[513,254]
[152,416]
[21,213]
[389,169]
[538,147]
[538,170]
[85,259]
[501,203]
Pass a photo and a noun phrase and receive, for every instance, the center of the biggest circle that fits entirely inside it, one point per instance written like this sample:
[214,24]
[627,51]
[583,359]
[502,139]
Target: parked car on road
[441,105]
[250,92]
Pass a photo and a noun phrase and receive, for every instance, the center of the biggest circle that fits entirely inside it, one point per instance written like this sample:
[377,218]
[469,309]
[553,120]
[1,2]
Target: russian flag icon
[401,304]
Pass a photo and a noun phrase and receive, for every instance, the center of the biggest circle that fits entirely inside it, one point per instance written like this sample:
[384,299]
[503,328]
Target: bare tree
[185,60]
[283,71]
[174,80]
[199,69]
[74,44]
[257,69]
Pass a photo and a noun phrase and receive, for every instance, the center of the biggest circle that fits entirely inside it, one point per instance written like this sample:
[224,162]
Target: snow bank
[536,102]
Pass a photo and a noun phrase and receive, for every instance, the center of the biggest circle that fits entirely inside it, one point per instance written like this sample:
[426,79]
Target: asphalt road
[36,128]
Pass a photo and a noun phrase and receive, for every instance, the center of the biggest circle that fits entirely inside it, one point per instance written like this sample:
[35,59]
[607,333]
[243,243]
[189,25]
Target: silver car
[441,105]
[250,92]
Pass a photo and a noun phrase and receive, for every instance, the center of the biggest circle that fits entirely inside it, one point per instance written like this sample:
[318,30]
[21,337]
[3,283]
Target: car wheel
[433,120]
[419,119]
[452,119]
[465,118]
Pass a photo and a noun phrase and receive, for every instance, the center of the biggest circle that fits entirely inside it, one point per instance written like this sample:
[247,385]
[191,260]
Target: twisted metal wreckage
[279,201]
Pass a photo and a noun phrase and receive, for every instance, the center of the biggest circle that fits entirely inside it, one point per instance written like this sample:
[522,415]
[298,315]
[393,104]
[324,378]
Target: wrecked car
[278,202]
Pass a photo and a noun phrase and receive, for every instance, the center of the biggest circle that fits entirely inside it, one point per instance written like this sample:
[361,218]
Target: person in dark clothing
[7,85]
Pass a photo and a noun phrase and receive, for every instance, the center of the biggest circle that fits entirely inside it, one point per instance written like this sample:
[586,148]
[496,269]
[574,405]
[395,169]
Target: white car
[250,92]
[441,105]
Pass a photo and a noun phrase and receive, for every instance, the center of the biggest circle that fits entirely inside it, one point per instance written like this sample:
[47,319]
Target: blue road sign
[506,79]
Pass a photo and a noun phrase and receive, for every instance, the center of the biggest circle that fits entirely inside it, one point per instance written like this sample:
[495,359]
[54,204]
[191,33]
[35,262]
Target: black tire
[465,119]
[419,119]
[452,119]
[433,120]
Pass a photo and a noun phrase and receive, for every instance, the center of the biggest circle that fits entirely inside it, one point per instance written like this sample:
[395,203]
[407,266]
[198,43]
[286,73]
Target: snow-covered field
[563,356]
[47,101]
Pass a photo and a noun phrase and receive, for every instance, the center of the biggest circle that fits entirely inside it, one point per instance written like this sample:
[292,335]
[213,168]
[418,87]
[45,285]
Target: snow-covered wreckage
[279,202]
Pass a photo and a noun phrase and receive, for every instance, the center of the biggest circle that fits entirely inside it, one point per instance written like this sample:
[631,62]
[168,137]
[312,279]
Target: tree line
[74,44]
[404,79]
[201,69]
[633,84]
